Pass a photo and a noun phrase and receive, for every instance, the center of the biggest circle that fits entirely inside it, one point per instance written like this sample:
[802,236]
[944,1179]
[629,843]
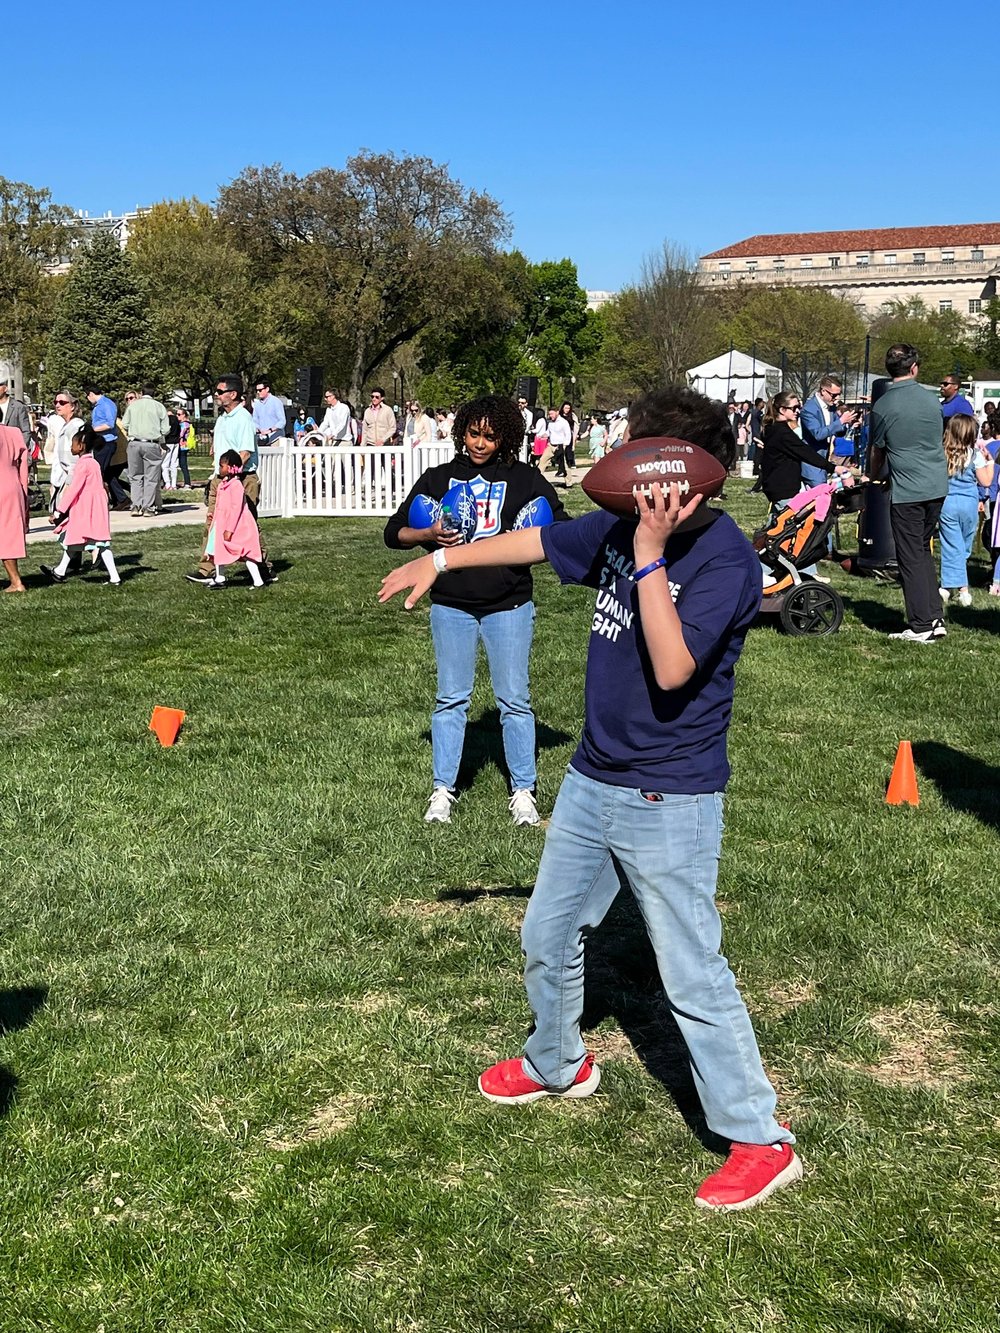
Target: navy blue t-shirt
[634,733]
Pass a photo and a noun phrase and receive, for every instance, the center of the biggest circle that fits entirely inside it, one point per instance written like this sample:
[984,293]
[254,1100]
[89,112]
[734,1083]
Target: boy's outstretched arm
[510,548]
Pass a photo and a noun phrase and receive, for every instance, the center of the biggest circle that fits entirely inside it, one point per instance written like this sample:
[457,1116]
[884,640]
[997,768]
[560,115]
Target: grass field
[246,991]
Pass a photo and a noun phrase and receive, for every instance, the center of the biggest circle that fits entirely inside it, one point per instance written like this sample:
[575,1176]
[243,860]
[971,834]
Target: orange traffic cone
[166,722]
[903,783]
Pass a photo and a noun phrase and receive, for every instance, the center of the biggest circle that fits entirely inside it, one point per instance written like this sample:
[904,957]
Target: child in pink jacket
[234,534]
[82,520]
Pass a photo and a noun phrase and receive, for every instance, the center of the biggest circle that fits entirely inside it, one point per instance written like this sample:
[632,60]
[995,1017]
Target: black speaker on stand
[876,549]
[527,387]
[309,386]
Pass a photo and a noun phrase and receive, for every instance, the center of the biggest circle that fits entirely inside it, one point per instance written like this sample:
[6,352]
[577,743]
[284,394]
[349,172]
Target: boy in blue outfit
[641,804]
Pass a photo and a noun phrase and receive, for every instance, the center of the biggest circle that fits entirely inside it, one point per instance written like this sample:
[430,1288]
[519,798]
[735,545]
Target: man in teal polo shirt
[234,429]
[906,432]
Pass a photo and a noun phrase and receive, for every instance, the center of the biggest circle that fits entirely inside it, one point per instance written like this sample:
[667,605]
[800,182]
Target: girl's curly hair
[502,415]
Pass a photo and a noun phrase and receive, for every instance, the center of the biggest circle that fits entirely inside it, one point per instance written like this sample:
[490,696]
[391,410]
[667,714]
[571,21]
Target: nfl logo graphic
[488,498]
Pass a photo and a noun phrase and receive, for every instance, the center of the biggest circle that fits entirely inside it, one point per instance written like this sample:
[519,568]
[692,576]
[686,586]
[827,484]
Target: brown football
[639,463]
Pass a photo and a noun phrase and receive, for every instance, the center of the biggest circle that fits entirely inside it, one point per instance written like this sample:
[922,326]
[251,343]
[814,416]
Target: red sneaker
[507,1082]
[751,1173]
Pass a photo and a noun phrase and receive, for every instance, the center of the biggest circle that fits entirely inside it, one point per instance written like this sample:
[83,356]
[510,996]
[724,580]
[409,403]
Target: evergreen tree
[103,330]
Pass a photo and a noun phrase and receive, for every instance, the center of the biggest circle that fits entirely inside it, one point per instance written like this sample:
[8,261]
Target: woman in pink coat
[13,503]
[82,520]
[234,534]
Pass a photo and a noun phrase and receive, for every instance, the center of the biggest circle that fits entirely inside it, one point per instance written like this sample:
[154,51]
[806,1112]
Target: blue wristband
[641,574]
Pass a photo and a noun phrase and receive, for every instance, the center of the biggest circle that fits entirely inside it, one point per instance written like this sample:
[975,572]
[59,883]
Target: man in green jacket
[146,425]
[906,433]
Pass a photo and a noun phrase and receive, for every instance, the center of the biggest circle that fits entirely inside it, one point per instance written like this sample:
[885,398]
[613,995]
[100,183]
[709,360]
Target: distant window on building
[805,263]
[944,305]
[779,263]
[947,256]
[919,257]
[862,261]
[751,264]
[890,259]
[975,307]
[835,261]
[977,254]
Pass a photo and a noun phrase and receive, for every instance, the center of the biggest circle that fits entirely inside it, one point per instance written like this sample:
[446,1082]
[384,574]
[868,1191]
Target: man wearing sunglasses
[268,415]
[234,430]
[821,423]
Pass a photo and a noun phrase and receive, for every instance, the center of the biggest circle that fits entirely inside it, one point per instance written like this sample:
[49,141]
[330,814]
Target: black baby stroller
[796,540]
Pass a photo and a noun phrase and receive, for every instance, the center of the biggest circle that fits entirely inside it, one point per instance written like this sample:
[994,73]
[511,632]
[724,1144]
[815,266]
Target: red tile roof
[886,238]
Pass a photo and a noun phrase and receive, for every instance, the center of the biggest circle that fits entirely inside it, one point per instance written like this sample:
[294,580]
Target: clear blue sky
[602,129]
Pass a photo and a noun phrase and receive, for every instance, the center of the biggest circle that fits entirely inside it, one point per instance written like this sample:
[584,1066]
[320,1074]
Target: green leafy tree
[625,363]
[562,332]
[986,342]
[656,330]
[486,351]
[531,319]
[35,234]
[816,331]
[103,330]
[942,337]
[377,251]
[211,310]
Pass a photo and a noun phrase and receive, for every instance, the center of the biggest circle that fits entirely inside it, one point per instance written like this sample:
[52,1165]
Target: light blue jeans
[506,636]
[958,524]
[601,839]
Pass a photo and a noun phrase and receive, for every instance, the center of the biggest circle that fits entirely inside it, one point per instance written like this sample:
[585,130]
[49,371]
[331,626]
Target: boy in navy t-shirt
[641,803]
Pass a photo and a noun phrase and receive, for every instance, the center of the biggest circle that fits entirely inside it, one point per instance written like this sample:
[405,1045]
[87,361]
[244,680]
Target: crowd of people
[87,460]
[677,588]
[938,459]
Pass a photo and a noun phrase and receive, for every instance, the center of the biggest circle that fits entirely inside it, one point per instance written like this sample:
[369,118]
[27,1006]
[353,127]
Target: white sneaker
[439,806]
[523,808]
[911,636]
[945,595]
[964,597]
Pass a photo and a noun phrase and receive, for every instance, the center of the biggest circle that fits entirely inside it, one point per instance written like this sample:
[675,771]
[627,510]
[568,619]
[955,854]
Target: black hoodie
[506,490]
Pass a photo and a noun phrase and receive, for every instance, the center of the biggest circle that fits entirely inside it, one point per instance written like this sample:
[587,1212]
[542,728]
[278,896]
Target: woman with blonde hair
[968,464]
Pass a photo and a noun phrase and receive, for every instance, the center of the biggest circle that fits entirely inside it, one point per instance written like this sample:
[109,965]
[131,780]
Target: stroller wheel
[811,608]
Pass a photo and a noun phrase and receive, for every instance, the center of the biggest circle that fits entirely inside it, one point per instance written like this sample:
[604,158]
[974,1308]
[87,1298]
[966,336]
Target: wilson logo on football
[662,466]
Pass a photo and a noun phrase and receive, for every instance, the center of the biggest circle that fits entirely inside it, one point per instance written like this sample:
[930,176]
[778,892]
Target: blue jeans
[506,636]
[602,838]
[958,523]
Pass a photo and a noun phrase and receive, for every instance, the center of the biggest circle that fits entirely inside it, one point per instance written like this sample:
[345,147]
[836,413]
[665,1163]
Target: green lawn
[246,991]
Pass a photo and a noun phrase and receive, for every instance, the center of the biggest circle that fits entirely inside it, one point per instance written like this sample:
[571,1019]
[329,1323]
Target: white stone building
[949,268]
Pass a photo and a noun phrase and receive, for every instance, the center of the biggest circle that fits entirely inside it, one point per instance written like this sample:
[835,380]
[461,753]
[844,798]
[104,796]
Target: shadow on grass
[873,615]
[17,1008]
[622,982]
[966,783]
[847,1318]
[975,617]
[469,896]
[484,746]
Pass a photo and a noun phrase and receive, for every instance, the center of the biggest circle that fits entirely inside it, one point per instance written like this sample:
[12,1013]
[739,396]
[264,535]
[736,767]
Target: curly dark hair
[685,415]
[91,438]
[502,415]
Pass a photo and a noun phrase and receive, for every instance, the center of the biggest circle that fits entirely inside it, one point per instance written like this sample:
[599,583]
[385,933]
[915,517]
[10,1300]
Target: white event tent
[735,375]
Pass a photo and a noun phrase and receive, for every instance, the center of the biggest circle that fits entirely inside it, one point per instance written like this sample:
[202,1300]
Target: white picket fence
[325,480]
